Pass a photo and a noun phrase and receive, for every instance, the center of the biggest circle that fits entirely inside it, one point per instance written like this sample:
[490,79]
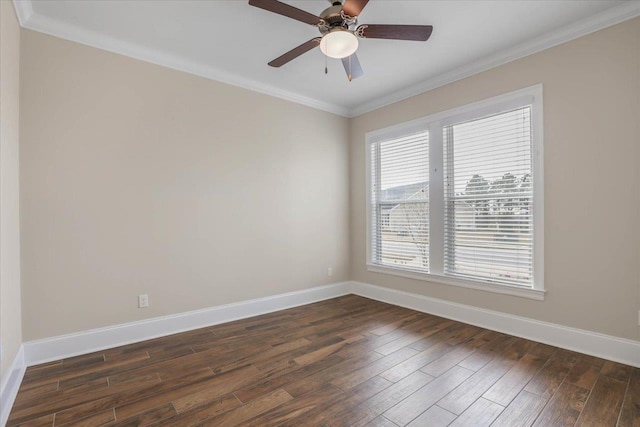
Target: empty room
[320,213]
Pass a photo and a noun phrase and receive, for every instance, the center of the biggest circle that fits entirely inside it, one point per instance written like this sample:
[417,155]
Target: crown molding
[24,10]
[609,17]
[57,28]
[33,21]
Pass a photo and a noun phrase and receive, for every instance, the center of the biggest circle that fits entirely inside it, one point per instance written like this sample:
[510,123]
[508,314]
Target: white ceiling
[232,42]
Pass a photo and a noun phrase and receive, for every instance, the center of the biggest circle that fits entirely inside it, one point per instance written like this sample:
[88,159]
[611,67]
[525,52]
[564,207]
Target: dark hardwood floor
[348,361]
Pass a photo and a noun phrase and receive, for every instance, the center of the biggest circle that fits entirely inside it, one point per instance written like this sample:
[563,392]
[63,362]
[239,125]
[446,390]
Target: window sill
[535,294]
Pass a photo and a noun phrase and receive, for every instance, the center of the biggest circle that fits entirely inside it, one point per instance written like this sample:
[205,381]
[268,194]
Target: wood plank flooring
[348,361]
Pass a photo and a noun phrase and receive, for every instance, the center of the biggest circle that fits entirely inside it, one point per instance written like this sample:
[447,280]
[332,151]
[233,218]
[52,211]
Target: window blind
[488,232]
[400,202]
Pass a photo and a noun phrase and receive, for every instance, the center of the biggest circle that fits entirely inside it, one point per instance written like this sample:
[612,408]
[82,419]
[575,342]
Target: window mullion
[436,200]
[378,224]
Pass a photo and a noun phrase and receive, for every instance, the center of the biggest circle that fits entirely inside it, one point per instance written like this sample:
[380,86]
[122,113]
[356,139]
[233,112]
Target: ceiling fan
[340,31]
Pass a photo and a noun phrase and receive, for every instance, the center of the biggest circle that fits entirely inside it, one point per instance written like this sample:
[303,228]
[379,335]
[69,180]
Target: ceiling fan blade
[286,10]
[295,52]
[352,67]
[353,8]
[396,32]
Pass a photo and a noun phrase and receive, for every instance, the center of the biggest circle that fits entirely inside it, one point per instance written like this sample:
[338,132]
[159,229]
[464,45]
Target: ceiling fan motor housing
[333,18]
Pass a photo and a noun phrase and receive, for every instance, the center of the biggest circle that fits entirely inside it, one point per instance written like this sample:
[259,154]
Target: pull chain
[326,68]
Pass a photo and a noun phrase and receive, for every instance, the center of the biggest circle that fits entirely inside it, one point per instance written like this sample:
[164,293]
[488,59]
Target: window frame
[434,124]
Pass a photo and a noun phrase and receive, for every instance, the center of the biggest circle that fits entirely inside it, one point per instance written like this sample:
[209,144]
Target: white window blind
[400,202]
[488,230]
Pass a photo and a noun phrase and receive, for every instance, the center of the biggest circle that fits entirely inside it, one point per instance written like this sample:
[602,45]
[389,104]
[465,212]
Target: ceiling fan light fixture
[339,44]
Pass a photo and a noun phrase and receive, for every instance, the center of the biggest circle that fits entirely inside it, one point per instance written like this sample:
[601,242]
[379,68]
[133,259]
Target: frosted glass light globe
[339,44]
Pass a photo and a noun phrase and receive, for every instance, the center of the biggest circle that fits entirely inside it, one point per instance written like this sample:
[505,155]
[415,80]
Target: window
[456,197]
[401,197]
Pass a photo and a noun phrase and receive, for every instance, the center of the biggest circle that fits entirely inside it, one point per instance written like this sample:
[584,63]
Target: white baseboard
[10,385]
[592,343]
[63,346]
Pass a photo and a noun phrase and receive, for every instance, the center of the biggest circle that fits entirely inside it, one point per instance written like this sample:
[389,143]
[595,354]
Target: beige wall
[141,179]
[136,178]
[592,162]
[10,323]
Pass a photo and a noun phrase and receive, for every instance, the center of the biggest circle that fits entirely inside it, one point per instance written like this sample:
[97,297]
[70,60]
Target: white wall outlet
[330,271]
[143,301]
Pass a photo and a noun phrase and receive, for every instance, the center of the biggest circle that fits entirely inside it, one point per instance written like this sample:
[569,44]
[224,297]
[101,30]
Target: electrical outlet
[143,301]
[330,271]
